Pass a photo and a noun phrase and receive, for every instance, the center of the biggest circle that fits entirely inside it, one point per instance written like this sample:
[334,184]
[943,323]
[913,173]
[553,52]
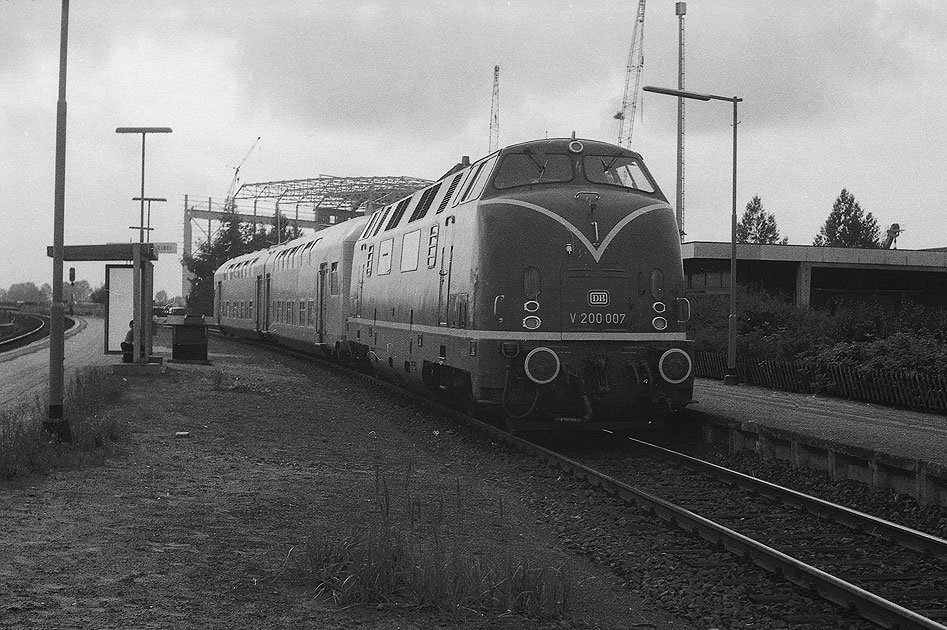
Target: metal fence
[916,390]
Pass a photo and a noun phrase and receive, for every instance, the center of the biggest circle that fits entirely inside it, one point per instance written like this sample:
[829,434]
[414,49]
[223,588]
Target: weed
[416,561]
[25,447]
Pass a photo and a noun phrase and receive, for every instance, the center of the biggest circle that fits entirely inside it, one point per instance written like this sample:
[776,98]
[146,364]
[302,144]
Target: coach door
[220,303]
[263,303]
[323,279]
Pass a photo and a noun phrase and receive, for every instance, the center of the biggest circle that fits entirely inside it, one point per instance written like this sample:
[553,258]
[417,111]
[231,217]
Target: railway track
[888,574]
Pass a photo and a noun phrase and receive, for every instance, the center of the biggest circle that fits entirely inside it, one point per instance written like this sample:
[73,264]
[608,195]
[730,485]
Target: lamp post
[731,377]
[143,131]
[142,286]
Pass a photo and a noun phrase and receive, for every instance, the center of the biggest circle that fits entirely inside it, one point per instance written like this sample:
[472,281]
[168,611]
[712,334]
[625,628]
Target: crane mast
[629,100]
[495,113]
[229,202]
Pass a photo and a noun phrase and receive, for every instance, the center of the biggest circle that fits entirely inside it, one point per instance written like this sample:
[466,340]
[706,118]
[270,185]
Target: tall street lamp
[731,376]
[143,131]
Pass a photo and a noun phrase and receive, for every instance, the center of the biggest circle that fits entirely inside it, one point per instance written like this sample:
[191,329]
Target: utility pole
[55,424]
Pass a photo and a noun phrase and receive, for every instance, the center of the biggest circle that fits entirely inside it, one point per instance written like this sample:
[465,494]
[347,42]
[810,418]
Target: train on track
[543,281]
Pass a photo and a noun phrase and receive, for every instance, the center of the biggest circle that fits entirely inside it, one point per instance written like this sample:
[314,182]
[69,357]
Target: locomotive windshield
[533,167]
[617,170]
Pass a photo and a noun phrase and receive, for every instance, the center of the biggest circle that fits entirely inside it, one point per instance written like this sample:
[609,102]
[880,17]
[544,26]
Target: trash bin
[189,338]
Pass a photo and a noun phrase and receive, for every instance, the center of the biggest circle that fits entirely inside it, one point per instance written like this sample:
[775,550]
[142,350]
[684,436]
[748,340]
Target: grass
[26,448]
[413,559]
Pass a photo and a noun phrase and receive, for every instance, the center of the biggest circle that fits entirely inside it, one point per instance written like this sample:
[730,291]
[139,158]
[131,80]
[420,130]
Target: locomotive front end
[581,277]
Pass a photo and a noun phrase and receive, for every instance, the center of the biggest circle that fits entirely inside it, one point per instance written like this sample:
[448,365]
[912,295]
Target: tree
[848,226]
[76,292]
[230,242]
[26,292]
[161,297]
[99,296]
[758,225]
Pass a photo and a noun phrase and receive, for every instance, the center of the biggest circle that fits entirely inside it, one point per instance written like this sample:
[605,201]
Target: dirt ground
[209,529]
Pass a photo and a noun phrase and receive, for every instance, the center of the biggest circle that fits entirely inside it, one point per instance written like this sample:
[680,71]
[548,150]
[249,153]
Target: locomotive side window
[617,170]
[479,180]
[432,247]
[410,246]
[312,312]
[384,256]
[334,279]
[530,167]
[450,191]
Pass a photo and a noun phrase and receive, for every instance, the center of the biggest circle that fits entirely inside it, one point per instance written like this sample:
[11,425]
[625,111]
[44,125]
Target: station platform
[884,447]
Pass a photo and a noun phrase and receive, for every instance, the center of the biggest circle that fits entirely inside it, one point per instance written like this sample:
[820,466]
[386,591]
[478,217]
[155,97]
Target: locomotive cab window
[532,167]
[617,170]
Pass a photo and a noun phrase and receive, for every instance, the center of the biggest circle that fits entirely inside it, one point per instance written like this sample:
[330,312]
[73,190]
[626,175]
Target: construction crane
[629,97]
[495,113]
[229,201]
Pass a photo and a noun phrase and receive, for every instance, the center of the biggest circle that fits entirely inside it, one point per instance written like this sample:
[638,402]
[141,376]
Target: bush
[859,335]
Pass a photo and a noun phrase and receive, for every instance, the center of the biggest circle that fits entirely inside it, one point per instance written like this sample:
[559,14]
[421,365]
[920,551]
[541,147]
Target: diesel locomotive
[543,281]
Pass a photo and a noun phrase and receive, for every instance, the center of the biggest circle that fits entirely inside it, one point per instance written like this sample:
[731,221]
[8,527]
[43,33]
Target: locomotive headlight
[675,366]
[659,307]
[531,322]
[541,365]
[659,323]
[531,306]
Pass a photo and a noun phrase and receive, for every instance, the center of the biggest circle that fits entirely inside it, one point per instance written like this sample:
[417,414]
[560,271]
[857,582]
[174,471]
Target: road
[24,373]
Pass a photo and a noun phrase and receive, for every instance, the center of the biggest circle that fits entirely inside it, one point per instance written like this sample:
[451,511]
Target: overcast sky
[836,95]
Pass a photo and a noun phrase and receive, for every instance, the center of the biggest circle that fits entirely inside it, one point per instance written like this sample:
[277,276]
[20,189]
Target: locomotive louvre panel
[450,192]
[427,199]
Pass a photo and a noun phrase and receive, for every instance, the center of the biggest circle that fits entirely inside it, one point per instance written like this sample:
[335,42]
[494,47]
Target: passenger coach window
[617,170]
[524,169]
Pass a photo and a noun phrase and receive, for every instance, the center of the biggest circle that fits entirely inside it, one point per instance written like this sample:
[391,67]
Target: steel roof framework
[326,192]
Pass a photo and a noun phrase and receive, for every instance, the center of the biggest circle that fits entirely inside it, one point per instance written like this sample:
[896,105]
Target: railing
[916,390]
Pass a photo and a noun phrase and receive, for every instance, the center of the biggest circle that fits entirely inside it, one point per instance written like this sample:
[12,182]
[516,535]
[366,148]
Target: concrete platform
[883,447]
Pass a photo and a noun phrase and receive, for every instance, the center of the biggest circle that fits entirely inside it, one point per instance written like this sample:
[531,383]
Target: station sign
[166,248]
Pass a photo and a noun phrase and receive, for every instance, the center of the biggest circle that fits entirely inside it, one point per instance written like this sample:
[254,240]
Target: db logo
[598,298]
